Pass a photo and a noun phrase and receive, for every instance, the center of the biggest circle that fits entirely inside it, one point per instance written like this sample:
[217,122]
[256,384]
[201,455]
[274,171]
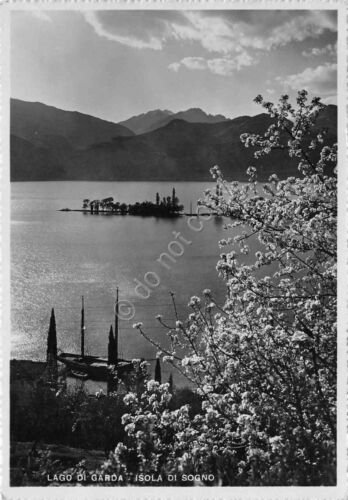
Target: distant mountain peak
[198,114]
[145,122]
[157,118]
[198,110]
[152,112]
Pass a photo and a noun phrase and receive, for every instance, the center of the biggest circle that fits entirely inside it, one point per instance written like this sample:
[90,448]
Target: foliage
[71,420]
[265,363]
[67,417]
[168,206]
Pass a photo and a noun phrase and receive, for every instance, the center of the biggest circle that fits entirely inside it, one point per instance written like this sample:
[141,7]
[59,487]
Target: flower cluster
[265,363]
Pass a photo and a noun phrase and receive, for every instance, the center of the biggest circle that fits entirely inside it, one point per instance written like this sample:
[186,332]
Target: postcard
[174,300]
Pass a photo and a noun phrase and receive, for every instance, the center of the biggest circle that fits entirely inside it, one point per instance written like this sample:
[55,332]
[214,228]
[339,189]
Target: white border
[154,493]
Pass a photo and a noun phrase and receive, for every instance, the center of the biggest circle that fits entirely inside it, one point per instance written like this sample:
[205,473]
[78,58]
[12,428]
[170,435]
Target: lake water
[59,256]
[56,257]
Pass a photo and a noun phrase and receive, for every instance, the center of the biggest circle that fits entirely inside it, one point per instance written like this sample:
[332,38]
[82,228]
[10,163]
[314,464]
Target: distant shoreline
[194,181]
[173,216]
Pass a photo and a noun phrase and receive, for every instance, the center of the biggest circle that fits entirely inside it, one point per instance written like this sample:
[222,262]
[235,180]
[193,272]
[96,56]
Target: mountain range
[146,122]
[51,144]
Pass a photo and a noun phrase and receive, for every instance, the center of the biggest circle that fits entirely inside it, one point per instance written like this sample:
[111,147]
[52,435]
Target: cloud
[222,41]
[227,66]
[230,32]
[42,15]
[213,33]
[174,66]
[331,99]
[330,49]
[192,63]
[223,66]
[321,79]
[309,24]
[131,41]
[222,32]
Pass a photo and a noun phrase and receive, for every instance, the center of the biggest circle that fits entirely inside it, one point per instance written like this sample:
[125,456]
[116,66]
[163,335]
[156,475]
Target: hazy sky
[115,64]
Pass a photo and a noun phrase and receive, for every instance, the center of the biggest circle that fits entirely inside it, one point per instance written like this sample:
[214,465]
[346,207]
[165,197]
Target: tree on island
[264,364]
[107,203]
[169,206]
[123,208]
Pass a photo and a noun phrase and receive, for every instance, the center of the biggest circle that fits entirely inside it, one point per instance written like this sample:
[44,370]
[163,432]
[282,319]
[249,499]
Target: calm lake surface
[59,256]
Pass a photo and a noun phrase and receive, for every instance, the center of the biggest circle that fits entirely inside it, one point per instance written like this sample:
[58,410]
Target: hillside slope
[179,151]
[44,125]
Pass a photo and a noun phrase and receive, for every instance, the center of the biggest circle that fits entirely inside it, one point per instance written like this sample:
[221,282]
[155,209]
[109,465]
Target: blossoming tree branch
[263,363]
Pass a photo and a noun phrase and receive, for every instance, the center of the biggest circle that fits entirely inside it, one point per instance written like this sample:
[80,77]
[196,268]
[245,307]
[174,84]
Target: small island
[162,207]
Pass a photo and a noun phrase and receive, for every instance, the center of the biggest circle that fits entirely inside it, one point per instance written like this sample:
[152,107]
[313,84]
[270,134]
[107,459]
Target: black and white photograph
[173,226]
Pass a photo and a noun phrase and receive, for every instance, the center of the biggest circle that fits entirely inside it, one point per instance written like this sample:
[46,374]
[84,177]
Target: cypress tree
[52,337]
[158,374]
[112,382]
[51,359]
[111,348]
